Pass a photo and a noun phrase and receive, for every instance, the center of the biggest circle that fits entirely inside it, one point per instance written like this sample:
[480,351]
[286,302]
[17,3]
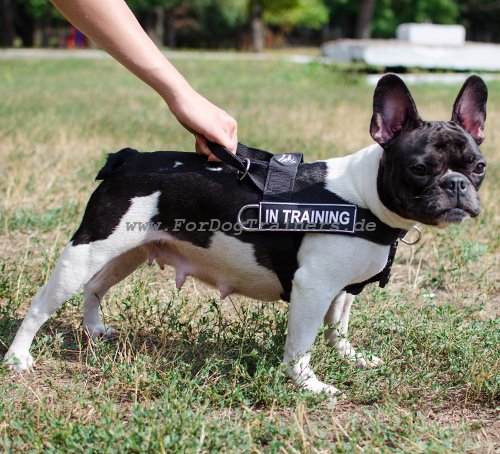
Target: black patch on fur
[192,192]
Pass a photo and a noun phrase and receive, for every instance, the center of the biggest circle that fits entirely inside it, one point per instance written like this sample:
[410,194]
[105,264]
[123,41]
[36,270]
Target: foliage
[390,13]
[214,15]
[218,23]
[38,9]
[311,14]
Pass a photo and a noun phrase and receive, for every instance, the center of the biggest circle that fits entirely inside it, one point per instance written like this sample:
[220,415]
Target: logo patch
[288,159]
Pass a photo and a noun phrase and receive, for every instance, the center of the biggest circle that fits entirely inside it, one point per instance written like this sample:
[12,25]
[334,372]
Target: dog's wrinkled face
[430,171]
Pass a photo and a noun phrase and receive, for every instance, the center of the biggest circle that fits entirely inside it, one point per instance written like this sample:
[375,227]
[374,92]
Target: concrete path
[57,54]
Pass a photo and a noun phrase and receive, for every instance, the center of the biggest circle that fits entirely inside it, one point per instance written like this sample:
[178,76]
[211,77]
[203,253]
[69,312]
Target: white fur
[354,178]
[327,263]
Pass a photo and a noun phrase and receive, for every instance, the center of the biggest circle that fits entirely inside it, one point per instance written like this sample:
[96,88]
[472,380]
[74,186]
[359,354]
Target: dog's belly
[228,264]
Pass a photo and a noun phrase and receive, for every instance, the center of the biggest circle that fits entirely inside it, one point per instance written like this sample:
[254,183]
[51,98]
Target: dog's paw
[316,386]
[18,362]
[367,363]
[347,352]
[100,332]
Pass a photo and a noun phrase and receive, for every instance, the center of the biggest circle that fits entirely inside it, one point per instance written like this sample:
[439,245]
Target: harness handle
[229,158]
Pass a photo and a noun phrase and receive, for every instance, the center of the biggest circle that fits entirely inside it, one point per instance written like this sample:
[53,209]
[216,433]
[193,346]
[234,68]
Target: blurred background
[253,24]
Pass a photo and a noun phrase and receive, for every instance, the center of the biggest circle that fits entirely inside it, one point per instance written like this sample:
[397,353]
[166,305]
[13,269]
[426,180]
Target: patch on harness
[300,217]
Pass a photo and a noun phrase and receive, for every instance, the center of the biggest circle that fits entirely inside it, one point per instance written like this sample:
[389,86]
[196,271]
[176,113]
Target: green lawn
[191,373]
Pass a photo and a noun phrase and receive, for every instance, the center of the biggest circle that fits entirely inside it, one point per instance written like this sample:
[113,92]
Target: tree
[21,18]
[481,18]
[312,14]
[365,17]
[257,10]
[6,23]
[200,22]
[285,15]
[210,23]
[390,13]
[380,18]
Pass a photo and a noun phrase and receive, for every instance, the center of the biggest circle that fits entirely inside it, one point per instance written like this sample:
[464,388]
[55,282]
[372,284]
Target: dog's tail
[115,163]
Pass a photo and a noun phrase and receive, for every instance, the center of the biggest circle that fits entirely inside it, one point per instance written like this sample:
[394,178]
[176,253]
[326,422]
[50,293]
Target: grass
[191,373]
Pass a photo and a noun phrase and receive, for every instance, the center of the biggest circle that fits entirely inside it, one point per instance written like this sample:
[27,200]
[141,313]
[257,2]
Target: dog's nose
[456,184]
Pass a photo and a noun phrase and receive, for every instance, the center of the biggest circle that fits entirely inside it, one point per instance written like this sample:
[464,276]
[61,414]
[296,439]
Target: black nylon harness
[275,175]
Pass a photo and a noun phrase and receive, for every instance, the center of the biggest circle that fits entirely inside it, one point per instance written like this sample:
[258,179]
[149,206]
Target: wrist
[170,84]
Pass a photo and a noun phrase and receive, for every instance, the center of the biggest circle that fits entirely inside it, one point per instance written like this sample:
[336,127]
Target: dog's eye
[419,170]
[480,168]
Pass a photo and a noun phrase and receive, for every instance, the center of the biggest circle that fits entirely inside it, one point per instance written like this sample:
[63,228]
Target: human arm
[112,25]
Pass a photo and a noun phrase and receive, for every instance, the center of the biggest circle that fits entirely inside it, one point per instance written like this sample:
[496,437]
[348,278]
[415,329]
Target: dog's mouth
[455,215]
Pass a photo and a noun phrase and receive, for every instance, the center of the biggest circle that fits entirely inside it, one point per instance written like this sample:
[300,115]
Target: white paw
[19,362]
[305,378]
[314,385]
[347,352]
[100,332]
[368,363]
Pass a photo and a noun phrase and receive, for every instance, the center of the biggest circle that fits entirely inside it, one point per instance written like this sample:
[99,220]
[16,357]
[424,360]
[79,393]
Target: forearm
[111,25]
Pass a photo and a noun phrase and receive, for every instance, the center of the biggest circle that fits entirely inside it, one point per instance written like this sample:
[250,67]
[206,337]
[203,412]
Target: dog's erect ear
[469,110]
[393,109]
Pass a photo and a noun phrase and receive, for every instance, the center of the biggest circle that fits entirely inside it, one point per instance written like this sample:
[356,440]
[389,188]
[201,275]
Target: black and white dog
[419,171]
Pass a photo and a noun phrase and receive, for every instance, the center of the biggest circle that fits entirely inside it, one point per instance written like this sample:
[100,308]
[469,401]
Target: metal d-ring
[245,173]
[240,222]
[411,243]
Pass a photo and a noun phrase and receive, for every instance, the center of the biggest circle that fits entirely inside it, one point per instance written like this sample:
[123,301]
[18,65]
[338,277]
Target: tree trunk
[25,25]
[158,29]
[258,28]
[365,17]
[6,23]
[172,29]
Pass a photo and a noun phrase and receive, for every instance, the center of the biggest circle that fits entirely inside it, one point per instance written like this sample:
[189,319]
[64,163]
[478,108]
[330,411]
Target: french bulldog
[419,171]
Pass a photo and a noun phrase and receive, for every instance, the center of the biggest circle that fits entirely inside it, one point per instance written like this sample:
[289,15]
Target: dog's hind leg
[76,265]
[113,272]
[88,252]
[337,321]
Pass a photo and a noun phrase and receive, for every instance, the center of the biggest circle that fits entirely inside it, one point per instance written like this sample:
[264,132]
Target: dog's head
[430,171]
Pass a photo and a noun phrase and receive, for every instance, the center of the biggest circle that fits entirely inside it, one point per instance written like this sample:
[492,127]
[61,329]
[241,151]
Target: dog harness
[289,205]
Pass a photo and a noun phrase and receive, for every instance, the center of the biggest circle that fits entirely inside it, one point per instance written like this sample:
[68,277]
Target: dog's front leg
[337,321]
[309,304]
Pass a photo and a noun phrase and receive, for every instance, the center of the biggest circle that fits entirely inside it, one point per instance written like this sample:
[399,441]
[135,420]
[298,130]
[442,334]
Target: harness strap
[258,161]
[281,176]
[234,160]
[382,278]
[279,186]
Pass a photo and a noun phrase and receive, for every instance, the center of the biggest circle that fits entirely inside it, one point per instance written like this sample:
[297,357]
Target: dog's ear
[393,109]
[469,110]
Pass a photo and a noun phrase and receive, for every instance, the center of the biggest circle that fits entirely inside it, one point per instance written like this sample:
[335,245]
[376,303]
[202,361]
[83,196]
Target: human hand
[205,120]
